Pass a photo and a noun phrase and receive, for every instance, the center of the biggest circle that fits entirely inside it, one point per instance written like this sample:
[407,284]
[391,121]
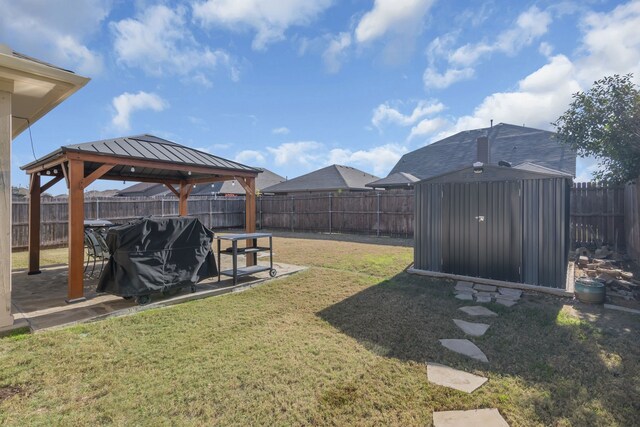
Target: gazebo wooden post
[35,192]
[76,231]
[250,216]
[182,198]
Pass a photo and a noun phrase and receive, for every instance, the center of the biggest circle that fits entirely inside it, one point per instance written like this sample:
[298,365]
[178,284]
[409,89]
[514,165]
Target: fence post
[378,215]
[291,217]
[330,210]
[210,212]
[97,208]
[260,198]
[162,206]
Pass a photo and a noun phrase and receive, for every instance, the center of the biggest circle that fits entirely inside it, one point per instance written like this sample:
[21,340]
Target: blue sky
[294,85]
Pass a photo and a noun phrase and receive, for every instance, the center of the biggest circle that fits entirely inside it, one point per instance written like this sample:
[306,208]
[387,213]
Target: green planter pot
[590,291]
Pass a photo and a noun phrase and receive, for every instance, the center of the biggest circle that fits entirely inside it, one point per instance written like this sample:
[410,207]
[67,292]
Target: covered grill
[157,254]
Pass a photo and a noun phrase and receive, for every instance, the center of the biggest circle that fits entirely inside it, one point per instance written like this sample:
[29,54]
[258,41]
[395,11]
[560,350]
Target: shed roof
[395,180]
[330,178]
[511,143]
[133,153]
[493,173]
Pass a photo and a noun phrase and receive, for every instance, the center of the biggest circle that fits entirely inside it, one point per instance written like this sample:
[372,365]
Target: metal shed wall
[516,229]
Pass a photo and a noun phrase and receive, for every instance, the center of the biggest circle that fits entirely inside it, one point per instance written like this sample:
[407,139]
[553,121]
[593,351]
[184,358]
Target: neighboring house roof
[265,179]
[330,178]
[396,180]
[146,147]
[142,189]
[514,144]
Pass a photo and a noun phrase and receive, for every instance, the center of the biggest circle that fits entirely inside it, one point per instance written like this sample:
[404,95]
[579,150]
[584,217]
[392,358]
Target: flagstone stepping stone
[482,299]
[486,288]
[477,310]
[474,417]
[465,347]
[453,378]
[465,296]
[470,328]
[506,301]
[464,286]
[484,296]
[508,292]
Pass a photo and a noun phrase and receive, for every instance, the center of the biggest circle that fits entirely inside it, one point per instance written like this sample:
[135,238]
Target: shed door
[482,229]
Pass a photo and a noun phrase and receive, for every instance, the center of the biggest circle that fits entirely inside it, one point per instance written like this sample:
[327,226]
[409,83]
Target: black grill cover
[154,254]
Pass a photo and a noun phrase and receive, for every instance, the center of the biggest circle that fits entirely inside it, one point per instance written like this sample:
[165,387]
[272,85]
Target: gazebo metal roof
[141,152]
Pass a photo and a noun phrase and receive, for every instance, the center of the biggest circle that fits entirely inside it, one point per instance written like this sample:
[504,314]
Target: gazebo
[143,158]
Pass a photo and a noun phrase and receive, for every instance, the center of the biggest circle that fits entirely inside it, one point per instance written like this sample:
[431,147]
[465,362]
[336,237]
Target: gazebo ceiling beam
[173,190]
[48,185]
[46,166]
[204,170]
[96,174]
[140,179]
[208,180]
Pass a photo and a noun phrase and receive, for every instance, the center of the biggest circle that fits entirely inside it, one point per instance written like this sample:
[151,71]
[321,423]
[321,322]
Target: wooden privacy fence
[632,218]
[597,215]
[388,213]
[215,213]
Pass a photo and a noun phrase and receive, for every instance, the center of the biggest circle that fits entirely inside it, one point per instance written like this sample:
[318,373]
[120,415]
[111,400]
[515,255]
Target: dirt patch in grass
[9,391]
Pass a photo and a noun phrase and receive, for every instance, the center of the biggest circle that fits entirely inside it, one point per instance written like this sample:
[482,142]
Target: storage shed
[494,222]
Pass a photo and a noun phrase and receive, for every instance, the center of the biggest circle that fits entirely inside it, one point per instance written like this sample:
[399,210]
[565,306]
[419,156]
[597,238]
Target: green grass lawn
[342,343]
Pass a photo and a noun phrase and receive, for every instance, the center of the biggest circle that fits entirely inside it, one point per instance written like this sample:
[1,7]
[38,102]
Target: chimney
[483,150]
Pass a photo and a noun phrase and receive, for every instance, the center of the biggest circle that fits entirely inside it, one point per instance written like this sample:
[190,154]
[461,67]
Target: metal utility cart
[251,250]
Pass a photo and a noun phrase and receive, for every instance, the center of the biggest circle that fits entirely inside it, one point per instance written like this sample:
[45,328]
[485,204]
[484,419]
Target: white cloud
[611,43]
[280,131]
[380,159]
[529,26]
[304,153]
[585,167]
[57,30]
[335,52]
[250,157]
[399,16]
[127,103]
[159,42]
[433,79]
[269,19]
[385,113]
[427,127]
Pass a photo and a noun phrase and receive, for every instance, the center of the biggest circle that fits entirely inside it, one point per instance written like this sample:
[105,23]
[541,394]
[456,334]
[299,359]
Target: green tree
[604,122]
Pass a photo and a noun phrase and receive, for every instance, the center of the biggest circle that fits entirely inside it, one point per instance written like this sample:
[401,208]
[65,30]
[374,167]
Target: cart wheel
[128,298]
[193,289]
[273,272]
[143,299]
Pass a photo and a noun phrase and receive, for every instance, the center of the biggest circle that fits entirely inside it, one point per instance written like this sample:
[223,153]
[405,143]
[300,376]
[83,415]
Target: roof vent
[504,163]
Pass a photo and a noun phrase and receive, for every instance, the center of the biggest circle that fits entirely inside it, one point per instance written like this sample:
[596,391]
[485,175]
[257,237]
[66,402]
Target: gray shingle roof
[396,180]
[514,144]
[330,178]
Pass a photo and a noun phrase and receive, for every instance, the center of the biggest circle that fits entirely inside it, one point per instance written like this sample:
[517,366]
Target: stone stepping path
[466,348]
[453,378]
[477,310]
[474,417]
[468,291]
[470,328]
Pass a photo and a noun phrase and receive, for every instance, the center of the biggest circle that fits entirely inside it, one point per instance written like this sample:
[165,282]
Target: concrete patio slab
[477,310]
[39,299]
[474,417]
[466,348]
[470,328]
[453,378]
